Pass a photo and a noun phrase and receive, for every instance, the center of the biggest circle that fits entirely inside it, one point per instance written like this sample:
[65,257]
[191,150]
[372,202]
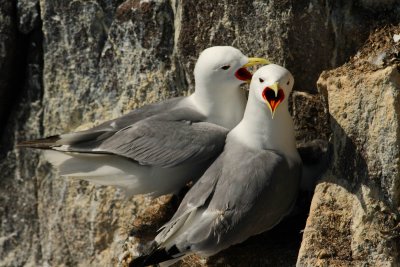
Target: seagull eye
[225,67]
[261,80]
[288,82]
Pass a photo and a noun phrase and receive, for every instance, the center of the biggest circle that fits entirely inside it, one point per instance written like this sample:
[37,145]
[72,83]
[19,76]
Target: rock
[8,38]
[101,77]
[82,62]
[21,78]
[354,214]
[311,119]
[396,38]
[28,15]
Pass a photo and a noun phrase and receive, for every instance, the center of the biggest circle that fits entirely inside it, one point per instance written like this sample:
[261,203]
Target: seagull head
[272,85]
[224,66]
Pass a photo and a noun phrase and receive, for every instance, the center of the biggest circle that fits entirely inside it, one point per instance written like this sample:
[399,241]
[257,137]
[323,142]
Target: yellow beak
[275,87]
[256,61]
[274,103]
[252,61]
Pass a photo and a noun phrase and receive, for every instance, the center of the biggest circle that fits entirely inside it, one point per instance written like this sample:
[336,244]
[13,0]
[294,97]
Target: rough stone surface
[82,62]
[8,37]
[19,241]
[354,218]
[28,15]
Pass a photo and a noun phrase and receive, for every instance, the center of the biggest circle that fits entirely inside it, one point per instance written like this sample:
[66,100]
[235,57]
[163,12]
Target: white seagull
[249,188]
[158,148]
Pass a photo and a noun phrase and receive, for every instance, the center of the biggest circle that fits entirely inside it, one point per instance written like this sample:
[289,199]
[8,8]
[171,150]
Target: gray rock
[19,187]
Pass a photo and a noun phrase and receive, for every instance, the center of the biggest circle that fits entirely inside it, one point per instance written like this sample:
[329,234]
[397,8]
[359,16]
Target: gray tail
[45,143]
[157,256]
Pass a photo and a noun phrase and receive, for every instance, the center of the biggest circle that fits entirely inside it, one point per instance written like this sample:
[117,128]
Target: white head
[223,67]
[272,85]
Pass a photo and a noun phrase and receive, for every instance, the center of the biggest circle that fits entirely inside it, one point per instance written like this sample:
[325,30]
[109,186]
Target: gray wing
[202,191]
[157,134]
[165,140]
[105,129]
[261,185]
[249,192]
[196,199]
[108,128]
[255,191]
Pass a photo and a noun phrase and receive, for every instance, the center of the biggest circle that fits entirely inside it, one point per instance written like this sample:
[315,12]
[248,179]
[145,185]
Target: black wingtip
[157,256]
[138,262]
[44,143]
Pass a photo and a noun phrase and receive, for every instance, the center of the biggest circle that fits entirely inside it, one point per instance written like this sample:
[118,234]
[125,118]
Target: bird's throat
[260,130]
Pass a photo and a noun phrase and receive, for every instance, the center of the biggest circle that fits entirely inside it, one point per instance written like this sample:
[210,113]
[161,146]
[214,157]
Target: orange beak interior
[273,101]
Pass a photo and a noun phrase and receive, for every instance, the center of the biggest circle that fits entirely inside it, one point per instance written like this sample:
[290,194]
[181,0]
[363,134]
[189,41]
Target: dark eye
[261,80]
[288,82]
[225,67]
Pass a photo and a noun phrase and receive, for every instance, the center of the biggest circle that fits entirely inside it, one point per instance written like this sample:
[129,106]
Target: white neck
[222,106]
[260,131]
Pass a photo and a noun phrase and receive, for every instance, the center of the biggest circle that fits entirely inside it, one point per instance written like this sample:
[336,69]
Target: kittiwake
[158,148]
[249,188]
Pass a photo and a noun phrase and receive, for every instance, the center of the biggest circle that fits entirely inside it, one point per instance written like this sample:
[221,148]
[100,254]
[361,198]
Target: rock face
[70,64]
[7,55]
[354,217]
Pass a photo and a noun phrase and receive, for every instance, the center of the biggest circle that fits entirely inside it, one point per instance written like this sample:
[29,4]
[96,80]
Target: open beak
[275,88]
[273,96]
[243,74]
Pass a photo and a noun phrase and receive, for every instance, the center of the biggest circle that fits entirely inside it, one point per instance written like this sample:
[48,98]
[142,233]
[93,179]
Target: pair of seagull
[244,155]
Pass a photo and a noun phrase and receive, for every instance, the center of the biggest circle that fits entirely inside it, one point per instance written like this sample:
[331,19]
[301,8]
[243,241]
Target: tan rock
[354,217]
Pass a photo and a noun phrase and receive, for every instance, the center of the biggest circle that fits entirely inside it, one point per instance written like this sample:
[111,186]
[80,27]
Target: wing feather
[243,193]
[105,129]
[164,140]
